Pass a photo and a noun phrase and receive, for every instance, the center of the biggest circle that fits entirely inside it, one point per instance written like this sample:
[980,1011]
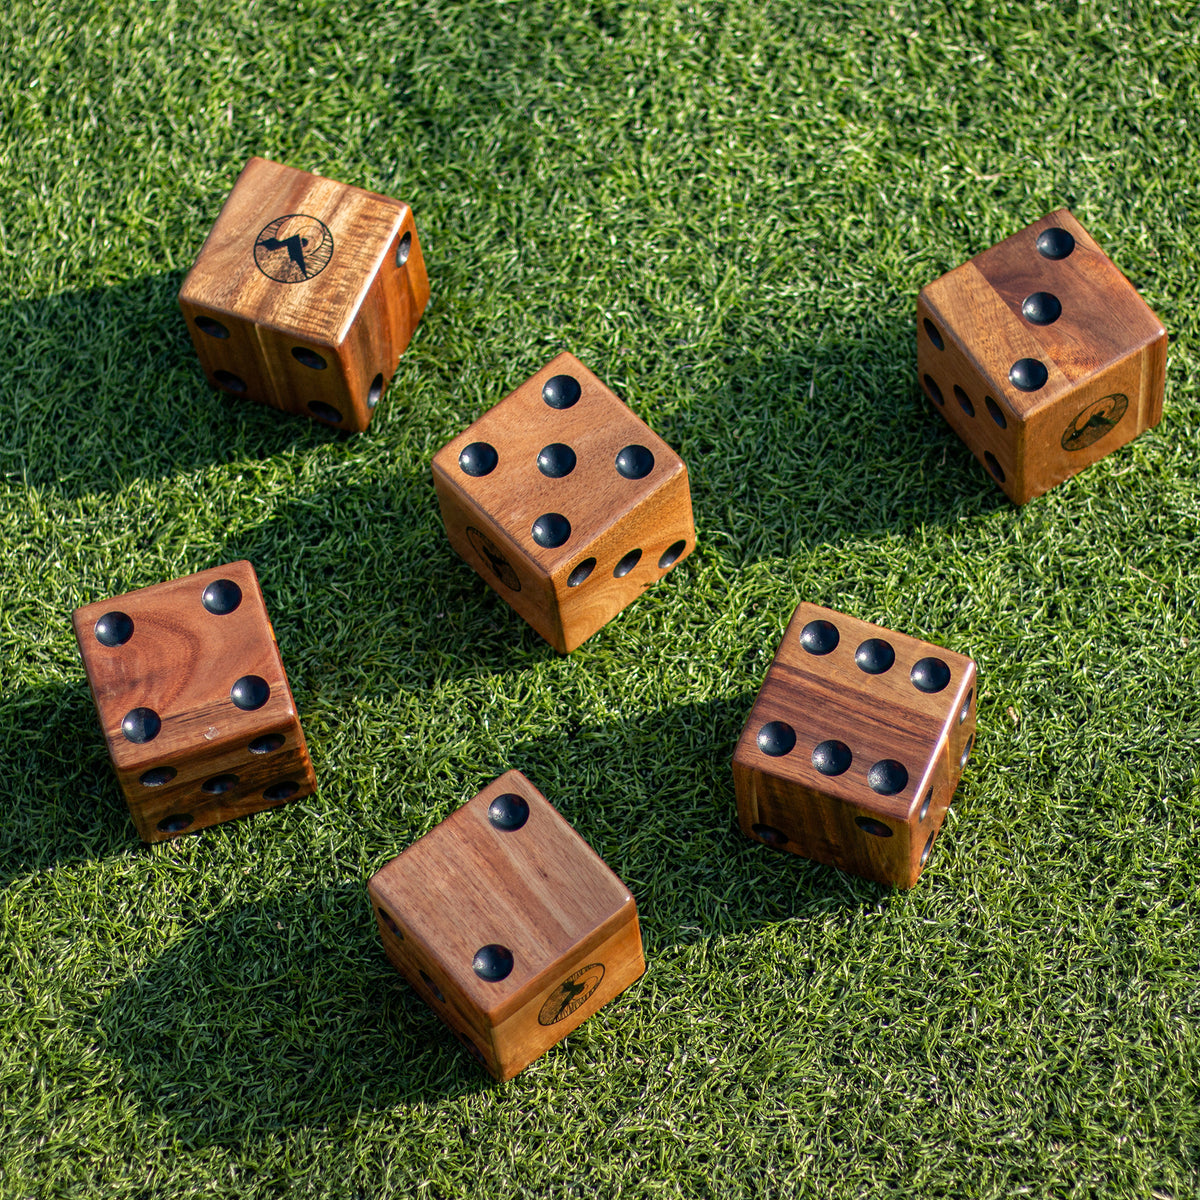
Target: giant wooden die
[305,294]
[1041,355]
[855,745]
[565,502]
[191,694]
[508,924]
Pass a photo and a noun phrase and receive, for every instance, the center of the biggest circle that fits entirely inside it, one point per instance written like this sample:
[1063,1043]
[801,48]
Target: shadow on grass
[282,1013]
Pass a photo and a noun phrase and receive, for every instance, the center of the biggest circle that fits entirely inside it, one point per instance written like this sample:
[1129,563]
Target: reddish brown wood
[297,271]
[539,893]
[490,518]
[1105,357]
[182,662]
[784,800]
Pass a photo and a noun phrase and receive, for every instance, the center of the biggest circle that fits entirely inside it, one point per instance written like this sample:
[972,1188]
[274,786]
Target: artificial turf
[726,210]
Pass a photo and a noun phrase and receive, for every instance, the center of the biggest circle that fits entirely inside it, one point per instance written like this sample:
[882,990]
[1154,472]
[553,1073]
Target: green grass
[726,210]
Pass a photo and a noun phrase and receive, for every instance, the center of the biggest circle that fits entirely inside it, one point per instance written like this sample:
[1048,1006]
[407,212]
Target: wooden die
[193,700]
[565,502]
[508,925]
[855,745]
[1041,355]
[305,294]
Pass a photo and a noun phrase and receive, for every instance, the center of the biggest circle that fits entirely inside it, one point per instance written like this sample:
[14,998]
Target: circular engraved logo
[1095,421]
[572,993]
[487,550]
[294,248]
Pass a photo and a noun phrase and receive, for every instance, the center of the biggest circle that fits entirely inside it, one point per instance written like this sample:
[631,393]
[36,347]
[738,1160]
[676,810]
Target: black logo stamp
[294,248]
[572,993]
[486,549]
[1095,421]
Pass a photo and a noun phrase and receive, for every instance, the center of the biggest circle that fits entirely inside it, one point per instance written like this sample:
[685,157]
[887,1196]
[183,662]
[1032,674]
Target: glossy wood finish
[490,519]
[182,662]
[540,892]
[1105,357]
[250,308]
[784,800]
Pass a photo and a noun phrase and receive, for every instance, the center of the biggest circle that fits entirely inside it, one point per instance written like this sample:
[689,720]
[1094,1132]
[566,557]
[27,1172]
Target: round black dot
[403,248]
[556,460]
[925,805]
[872,826]
[229,381]
[966,754]
[993,465]
[887,777]
[212,328]
[934,334]
[561,392]
[550,530]
[819,637]
[928,847]
[964,401]
[281,790]
[832,758]
[1041,308]
[776,738]
[387,920]
[627,564]
[266,744]
[769,834]
[221,597]
[308,358]
[581,572]
[375,391]
[219,784]
[966,708]
[114,629]
[508,812]
[175,823]
[875,656]
[1055,243]
[935,392]
[996,412]
[1028,374]
[670,556]
[493,962]
[433,987]
[141,725]
[635,462]
[250,692]
[478,459]
[930,675]
[324,412]
[157,776]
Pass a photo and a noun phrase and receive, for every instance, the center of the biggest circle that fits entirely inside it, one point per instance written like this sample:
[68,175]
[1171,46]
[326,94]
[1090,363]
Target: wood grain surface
[182,662]
[612,518]
[884,718]
[1104,357]
[540,892]
[297,271]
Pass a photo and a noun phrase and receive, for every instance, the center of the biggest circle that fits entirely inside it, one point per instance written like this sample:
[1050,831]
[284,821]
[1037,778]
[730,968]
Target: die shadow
[129,399]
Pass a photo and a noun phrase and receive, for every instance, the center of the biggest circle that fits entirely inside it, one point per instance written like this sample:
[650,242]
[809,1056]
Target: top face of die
[501,891]
[558,461]
[294,251]
[188,662]
[855,711]
[1041,312]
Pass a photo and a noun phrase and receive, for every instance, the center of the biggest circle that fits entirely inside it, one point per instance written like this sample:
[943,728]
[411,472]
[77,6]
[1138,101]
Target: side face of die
[565,502]
[1041,355]
[855,745]
[305,294]
[508,925]
[193,700]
